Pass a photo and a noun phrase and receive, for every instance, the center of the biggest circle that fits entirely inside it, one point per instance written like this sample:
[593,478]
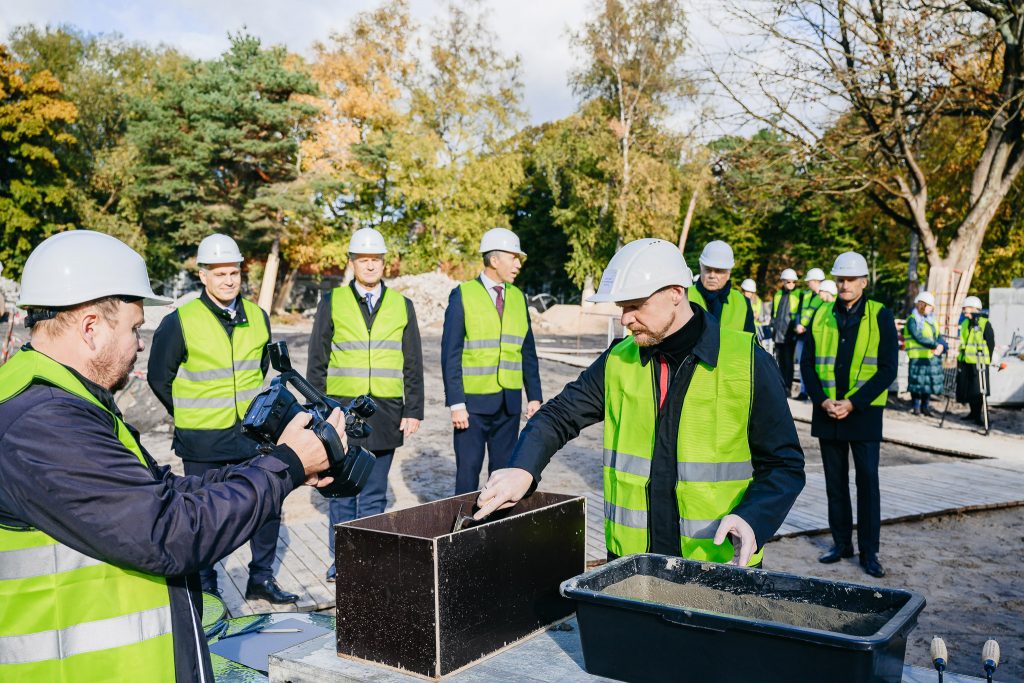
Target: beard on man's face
[645,336]
[112,369]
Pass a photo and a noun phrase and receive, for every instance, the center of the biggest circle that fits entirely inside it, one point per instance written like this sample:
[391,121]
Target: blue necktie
[369,302]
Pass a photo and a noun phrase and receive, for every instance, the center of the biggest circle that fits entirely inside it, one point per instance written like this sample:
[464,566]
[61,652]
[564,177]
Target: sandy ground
[967,566]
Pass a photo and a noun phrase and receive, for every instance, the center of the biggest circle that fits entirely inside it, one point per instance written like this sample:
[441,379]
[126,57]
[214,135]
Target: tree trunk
[284,291]
[685,232]
[588,291]
[913,285]
[266,299]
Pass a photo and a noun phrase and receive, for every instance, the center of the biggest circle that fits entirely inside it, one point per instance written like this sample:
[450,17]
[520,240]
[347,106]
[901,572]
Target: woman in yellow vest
[924,346]
[714,294]
[365,341]
[690,469]
[99,546]
[977,341]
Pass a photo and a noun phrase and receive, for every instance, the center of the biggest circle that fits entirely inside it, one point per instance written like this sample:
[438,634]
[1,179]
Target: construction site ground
[966,562]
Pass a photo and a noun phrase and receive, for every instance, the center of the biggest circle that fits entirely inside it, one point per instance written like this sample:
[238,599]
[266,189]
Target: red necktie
[500,300]
[662,381]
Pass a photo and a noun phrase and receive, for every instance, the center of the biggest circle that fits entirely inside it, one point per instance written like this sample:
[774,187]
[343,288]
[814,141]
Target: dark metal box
[414,596]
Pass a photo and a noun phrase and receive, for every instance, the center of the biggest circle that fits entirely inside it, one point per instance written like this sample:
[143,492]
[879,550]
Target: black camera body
[273,408]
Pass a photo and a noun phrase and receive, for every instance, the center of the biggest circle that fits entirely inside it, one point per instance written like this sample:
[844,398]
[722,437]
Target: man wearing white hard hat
[760,308]
[690,469]
[488,357]
[365,341]
[925,347]
[713,293]
[786,313]
[208,362]
[828,291]
[849,361]
[99,545]
[977,341]
[810,301]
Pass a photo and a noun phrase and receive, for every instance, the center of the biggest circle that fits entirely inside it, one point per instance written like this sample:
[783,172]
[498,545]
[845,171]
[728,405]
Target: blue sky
[535,29]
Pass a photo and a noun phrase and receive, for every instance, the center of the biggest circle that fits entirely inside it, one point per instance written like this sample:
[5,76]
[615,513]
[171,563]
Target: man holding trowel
[690,469]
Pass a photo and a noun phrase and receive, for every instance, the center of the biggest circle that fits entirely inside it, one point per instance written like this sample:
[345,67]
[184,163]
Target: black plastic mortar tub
[635,640]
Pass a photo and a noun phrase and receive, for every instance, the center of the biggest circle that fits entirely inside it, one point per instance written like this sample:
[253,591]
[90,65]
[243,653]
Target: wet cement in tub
[801,614]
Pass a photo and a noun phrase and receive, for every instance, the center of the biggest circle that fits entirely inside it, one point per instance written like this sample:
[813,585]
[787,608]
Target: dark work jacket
[776,455]
[865,422]
[390,411]
[716,300]
[64,471]
[168,352]
[453,338]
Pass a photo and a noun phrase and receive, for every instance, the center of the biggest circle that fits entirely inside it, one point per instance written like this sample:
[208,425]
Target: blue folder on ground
[253,649]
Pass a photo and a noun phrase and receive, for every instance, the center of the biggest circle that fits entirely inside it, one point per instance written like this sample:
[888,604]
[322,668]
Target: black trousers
[835,458]
[784,354]
[497,433]
[263,543]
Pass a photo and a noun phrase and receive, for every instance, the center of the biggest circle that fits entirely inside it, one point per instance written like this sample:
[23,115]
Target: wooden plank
[311,566]
[238,574]
[314,590]
[232,596]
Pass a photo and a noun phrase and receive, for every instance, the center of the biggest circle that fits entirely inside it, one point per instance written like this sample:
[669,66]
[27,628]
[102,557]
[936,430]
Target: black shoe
[927,412]
[268,590]
[915,411]
[836,553]
[872,566]
[216,592]
[970,418]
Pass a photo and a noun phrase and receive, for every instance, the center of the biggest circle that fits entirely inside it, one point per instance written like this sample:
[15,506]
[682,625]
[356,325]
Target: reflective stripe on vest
[864,364]
[367,361]
[713,466]
[972,343]
[66,616]
[734,310]
[916,349]
[221,375]
[492,352]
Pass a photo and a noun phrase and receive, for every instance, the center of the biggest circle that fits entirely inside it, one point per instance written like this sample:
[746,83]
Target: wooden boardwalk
[908,492]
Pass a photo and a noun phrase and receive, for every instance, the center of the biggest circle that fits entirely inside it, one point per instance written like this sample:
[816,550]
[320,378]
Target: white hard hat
[218,248]
[830,287]
[717,254]
[850,264]
[749,285]
[500,239]
[926,297]
[972,302]
[640,269]
[815,274]
[788,274]
[367,241]
[77,266]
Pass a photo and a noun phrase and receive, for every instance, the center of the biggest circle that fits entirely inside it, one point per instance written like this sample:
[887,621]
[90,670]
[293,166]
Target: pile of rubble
[429,294]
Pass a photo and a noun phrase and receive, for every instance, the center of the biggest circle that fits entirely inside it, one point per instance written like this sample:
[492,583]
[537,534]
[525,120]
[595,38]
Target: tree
[101,75]
[217,144]
[35,197]
[632,51]
[889,72]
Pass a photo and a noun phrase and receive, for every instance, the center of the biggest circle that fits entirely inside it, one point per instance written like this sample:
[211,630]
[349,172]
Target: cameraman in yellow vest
[208,362]
[690,468]
[487,358]
[99,545]
[365,340]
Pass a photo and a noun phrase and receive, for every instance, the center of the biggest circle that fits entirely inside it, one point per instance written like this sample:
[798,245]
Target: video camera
[274,407]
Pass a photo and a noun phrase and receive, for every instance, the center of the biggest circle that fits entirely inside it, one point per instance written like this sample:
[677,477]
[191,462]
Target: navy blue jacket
[452,339]
[81,486]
